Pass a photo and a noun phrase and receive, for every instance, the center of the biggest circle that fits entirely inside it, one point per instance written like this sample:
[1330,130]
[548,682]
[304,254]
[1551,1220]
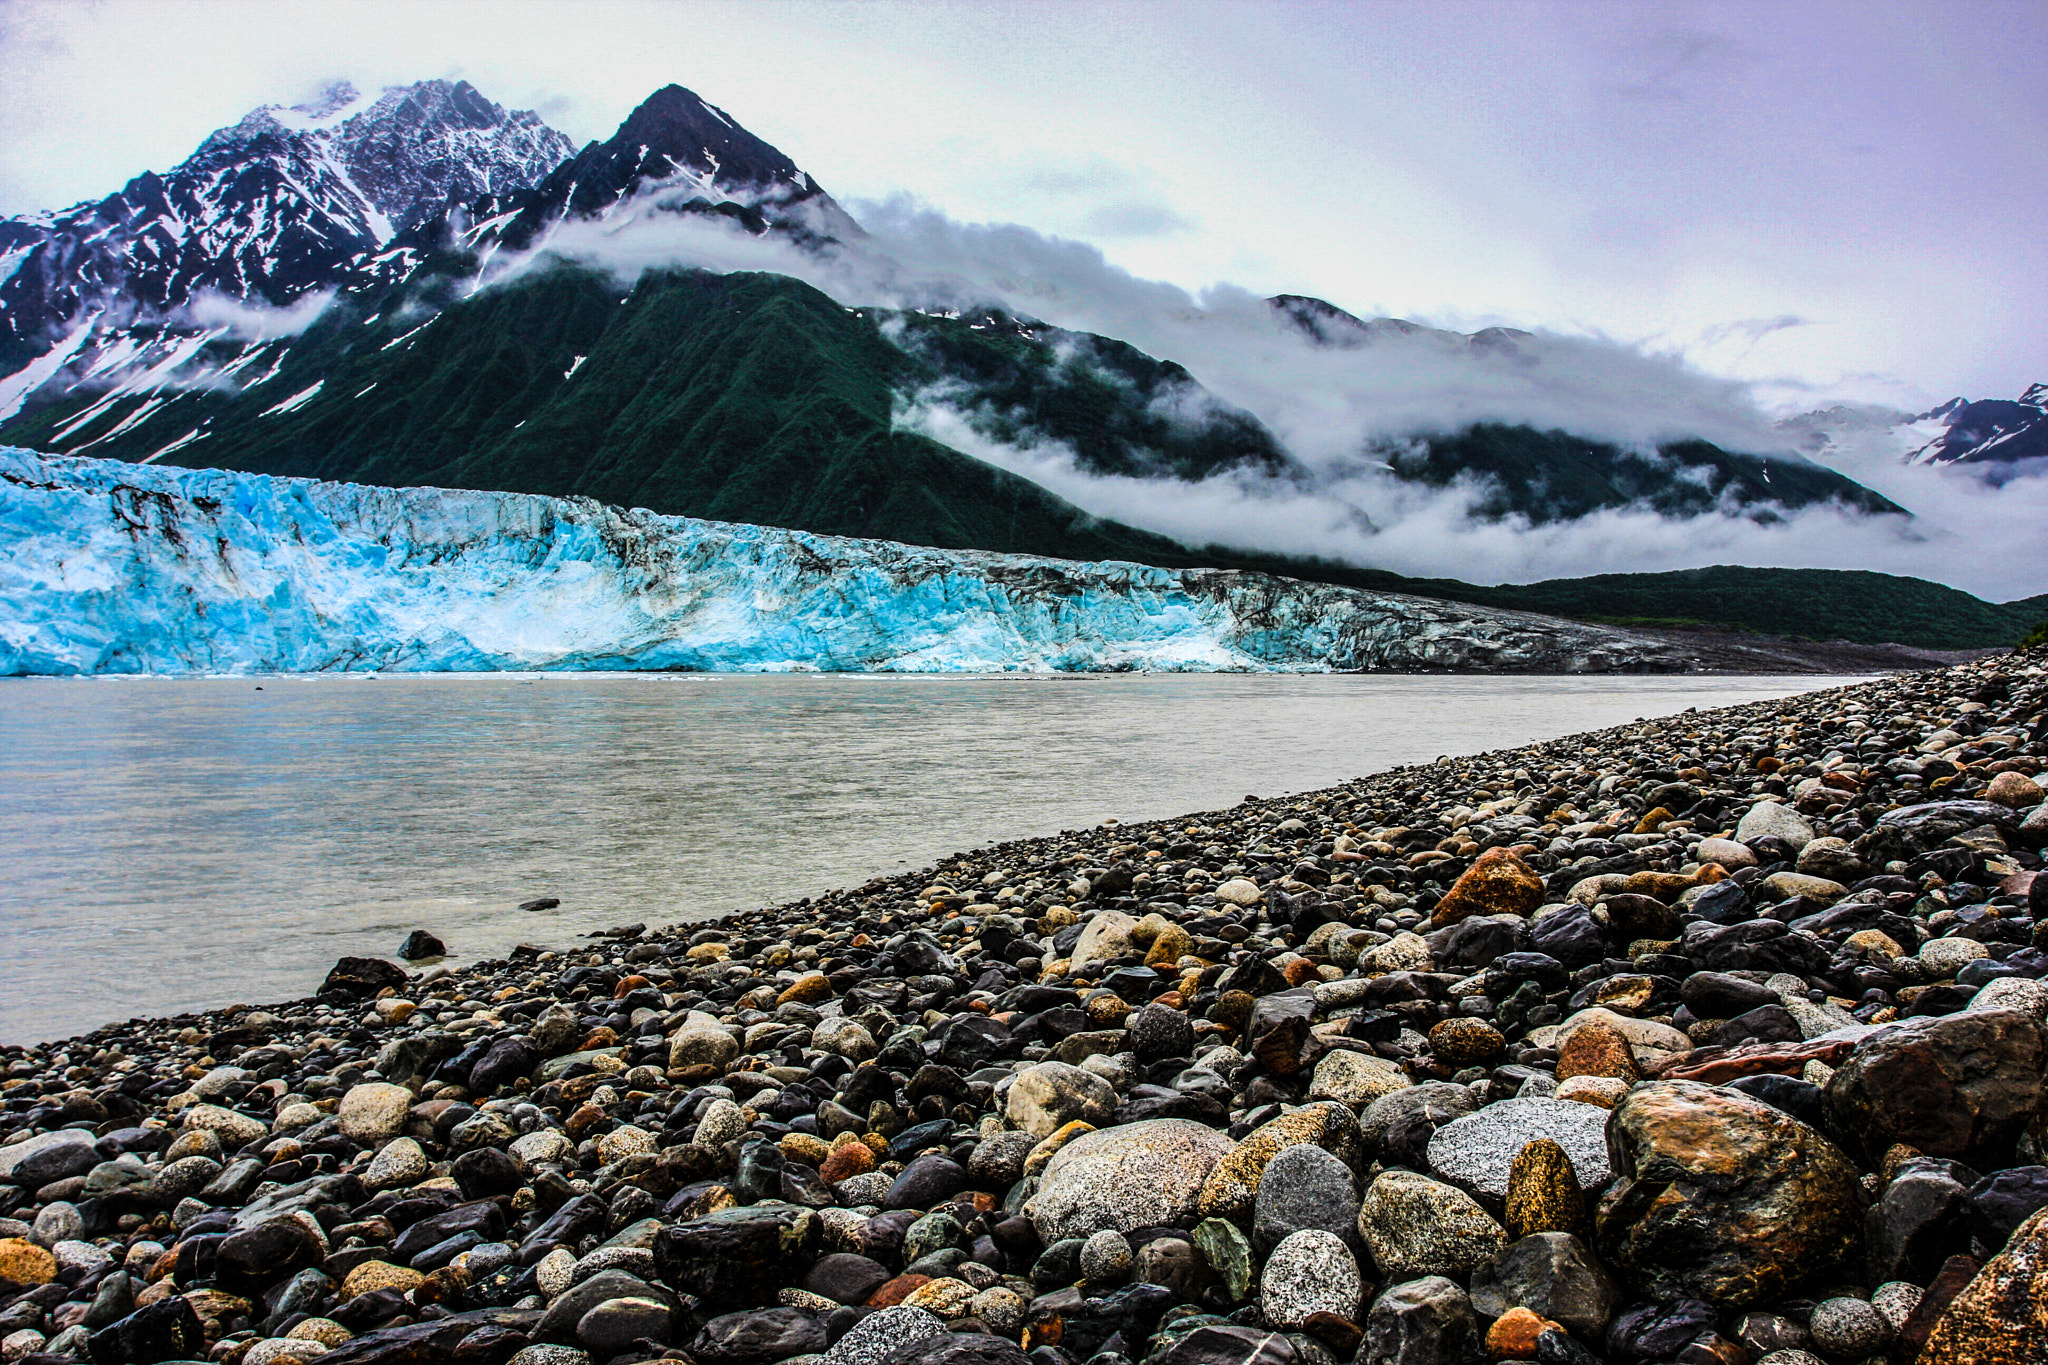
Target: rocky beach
[1715,1039]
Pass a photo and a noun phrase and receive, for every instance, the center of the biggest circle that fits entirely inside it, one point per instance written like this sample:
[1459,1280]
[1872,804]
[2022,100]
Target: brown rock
[1300,972]
[1465,1041]
[1513,1334]
[23,1262]
[1953,1278]
[1280,1035]
[372,1275]
[1497,883]
[1627,993]
[1958,1085]
[844,1161]
[897,1290]
[1713,1065]
[812,989]
[2001,1318]
[1543,1192]
[1233,1009]
[1597,1048]
[1722,1197]
[1653,820]
[2016,790]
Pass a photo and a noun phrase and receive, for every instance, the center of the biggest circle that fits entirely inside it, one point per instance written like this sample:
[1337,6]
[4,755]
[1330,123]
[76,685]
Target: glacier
[108,567]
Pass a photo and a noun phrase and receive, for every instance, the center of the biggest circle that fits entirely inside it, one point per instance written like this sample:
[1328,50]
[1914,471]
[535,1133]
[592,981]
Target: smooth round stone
[373,1112]
[1310,1272]
[1465,1042]
[1105,1256]
[400,1161]
[1002,1310]
[555,1272]
[1895,1302]
[1304,1187]
[283,1351]
[547,1353]
[1414,1226]
[1355,1078]
[615,1324]
[1478,1151]
[1147,1174]
[1944,957]
[723,1122]
[1848,1329]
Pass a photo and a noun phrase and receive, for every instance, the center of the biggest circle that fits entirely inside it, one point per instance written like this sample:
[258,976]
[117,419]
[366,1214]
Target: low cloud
[1334,408]
[251,320]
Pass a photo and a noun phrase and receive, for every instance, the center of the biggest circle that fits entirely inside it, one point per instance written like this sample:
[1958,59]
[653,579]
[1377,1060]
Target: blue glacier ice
[108,567]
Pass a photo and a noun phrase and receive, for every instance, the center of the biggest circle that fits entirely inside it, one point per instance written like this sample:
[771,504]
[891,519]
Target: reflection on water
[176,845]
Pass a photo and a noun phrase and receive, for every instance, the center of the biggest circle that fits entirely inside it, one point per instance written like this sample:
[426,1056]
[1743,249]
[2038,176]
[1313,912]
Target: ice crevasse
[108,567]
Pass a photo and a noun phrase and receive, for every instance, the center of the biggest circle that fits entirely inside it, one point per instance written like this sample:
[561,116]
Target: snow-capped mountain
[676,153]
[107,567]
[282,204]
[1996,438]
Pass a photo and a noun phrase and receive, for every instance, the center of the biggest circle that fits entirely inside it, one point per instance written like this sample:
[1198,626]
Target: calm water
[176,845]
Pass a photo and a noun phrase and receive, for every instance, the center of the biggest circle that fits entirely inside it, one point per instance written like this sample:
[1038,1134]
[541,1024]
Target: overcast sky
[1831,200]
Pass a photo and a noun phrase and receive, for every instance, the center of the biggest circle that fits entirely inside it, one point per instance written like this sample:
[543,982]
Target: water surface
[180,844]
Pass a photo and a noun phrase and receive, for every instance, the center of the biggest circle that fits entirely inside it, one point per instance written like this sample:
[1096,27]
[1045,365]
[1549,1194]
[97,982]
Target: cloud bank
[1330,406]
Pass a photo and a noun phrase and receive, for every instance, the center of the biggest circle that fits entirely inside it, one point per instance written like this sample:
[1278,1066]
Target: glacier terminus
[109,567]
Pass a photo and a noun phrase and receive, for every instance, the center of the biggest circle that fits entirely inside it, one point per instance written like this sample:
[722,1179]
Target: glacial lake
[174,845]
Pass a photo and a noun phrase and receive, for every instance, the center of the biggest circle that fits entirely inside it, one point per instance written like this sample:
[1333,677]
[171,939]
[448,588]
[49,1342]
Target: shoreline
[1431,985]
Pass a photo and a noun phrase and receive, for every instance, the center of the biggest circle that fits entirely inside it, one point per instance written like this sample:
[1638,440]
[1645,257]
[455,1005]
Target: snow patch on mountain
[108,567]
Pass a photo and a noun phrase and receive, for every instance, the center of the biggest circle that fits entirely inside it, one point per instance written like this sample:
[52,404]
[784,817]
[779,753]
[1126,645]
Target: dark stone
[757,1336]
[1801,1099]
[1422,1322]
[419,1343]
[844,1277]
[1920,1220]
[568,1307]
[1771,1023]
[1631,917]
[2002,1201]
[1477,942]
[1959,1086]
[759,1174]
[166,1330]
[419,944]
[1159,1031]
[1571,935]
[359,978]
[1722,903]
[509,1060]
[1304,1187]
[737,1255]
[1658,1331]
[1279,1036]
[957,1348]
[1758,945]
[482,1217]
[1717,995]
[1225,1345]
[926,1182]
[486,1171]
[971,1041]
[247,1262]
